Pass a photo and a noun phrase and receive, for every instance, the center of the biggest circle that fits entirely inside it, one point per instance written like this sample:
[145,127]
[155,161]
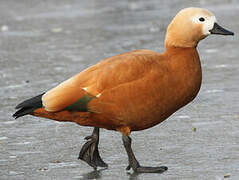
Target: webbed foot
[134,164]
[90,153]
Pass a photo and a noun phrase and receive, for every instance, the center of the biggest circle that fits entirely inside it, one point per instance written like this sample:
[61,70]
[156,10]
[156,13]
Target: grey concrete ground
[45,42]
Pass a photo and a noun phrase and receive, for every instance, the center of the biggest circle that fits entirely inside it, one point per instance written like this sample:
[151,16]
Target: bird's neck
[179,43]
[176,50]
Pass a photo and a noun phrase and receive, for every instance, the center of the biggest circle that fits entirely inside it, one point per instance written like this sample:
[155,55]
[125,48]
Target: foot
[134,164]
[145,169]
[89,152]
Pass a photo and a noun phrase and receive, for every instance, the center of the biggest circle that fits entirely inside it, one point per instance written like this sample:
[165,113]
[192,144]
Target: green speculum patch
[81,104]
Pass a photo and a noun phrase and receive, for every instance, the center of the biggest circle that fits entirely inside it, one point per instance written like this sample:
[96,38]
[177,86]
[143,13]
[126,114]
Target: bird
[132,91]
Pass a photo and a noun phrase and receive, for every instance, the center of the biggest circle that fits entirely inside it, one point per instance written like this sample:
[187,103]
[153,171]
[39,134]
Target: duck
[132,91]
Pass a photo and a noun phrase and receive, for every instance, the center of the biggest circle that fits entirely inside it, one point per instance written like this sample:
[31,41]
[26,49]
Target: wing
[76,92]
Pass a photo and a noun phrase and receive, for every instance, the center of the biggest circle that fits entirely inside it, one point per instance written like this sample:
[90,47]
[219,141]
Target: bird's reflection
[96,174]
[133,176]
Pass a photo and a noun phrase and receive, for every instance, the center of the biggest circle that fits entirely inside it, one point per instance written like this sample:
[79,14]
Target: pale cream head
[189,26]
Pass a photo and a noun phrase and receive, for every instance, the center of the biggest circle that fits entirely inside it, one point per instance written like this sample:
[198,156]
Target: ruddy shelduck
[131,91]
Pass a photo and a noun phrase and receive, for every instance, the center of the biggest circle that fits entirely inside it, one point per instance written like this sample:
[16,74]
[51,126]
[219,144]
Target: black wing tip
[30,102]
[22,112]
[28,106]
[19,113]
[15,116]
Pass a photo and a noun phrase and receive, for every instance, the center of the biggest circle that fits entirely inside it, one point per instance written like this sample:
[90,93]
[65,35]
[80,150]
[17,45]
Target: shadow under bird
[131,91]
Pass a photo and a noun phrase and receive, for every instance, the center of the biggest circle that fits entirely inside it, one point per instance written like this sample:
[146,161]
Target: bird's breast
[146,102]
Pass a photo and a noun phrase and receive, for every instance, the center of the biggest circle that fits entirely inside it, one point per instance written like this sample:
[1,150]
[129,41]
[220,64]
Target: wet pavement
[43,43]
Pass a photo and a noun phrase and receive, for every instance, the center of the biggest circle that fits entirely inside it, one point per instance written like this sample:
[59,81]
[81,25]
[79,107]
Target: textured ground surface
[45,42]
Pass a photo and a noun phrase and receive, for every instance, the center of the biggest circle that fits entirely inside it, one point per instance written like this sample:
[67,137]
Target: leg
[135,164]
[89,152]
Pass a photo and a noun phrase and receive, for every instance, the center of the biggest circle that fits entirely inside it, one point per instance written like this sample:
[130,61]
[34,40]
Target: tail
[28,106]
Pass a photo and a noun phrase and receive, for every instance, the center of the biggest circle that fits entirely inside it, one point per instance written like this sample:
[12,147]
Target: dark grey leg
[134,164]
[89,152]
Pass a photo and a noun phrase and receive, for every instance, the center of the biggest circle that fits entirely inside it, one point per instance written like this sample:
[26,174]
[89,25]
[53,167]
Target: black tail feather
[28,106]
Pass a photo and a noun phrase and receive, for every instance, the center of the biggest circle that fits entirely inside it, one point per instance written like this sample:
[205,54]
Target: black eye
[201,19]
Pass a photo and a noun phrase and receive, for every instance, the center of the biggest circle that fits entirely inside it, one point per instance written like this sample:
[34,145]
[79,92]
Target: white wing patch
[86,89]
[98,95]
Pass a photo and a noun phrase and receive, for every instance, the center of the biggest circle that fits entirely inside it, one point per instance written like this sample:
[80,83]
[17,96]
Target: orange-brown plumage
[131,91]
[138,89]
